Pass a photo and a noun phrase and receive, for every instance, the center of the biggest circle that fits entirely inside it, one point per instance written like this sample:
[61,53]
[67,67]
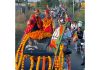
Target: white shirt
[79,24]
[31,47]
[74,26]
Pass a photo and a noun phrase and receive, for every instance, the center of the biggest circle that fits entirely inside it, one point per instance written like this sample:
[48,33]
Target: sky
[33,0]
[39,0]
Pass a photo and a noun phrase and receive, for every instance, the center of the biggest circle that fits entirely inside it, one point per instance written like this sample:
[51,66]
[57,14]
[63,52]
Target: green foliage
[79,15]
[51,3]
[23,25]
[76,7]
[38,4]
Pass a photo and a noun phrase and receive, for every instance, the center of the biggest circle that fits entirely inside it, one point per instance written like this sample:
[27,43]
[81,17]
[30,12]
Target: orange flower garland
[62,62]
[17,54]
[39,34]
[62,56]
[57,63]
[22,68]
[59,59]
[38,63]
[21,49]
[32,62]
[43,64]
[50,62]
[25,56]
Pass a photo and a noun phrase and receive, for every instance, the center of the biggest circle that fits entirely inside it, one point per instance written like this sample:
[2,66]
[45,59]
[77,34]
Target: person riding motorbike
[80,38]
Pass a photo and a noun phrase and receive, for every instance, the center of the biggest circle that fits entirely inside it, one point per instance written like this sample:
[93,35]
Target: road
[76,61]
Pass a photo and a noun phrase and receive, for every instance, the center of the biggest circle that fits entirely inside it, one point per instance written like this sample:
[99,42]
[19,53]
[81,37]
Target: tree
[52,3]
[38,4]
[43,2]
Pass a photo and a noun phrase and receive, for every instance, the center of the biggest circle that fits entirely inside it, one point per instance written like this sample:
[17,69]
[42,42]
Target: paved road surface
[76,61]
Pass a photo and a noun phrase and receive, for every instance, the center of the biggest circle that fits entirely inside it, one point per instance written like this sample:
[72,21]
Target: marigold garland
[39,34]
[38,63]
[32,62]
[50,62]
[62,57]
[62,62]
[17,54]
[56,63]
[43,63]
[21,49]
[22,68]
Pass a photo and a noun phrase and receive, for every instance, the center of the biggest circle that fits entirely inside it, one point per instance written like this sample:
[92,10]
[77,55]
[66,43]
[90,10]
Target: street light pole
[26,9]
[73,9]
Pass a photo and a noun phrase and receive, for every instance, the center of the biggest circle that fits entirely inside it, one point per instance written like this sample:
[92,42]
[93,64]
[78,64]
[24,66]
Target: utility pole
[73,9]
[26,9]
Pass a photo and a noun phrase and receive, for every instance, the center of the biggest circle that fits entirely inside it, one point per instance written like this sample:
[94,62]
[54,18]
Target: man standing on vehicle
[48,25]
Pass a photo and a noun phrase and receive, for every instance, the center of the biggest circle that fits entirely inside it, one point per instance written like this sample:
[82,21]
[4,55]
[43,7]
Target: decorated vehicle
[48,56]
